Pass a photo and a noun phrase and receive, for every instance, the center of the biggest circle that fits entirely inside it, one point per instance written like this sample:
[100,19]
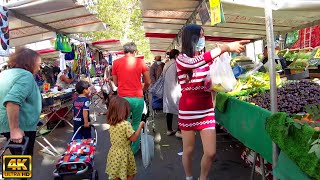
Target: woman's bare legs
[208,137]
[188,139]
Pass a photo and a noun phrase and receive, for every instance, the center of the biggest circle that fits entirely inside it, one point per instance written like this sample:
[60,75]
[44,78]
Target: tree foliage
[124,21]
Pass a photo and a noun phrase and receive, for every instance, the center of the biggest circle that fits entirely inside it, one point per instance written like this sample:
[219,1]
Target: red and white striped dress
[196,110]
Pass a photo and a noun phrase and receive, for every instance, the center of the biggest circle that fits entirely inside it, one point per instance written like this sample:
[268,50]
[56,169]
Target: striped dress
[196,109]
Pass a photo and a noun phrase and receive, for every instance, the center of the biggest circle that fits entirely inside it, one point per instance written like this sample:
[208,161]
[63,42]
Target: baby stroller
[78,158]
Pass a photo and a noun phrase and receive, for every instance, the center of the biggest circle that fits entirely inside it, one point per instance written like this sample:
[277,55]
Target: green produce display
[296,55]
[294,143]
[298,64]
[256,83]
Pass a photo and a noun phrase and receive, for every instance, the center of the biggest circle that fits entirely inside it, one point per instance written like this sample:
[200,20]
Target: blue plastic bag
[237,71]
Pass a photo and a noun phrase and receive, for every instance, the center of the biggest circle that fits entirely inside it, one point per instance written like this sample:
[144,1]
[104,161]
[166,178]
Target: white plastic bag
[221,77]
[147,147]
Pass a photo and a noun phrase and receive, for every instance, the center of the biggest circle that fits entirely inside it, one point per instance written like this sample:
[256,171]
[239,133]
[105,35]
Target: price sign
[317,55]
[217,15]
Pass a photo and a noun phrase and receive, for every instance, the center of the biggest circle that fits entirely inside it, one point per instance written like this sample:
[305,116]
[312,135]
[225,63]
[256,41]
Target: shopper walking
[196,109]
[126,75]
[20,98]
[172,92]
[156,69]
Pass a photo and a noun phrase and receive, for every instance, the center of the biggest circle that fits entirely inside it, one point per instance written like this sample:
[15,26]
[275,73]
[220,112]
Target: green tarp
[245,122]
[288,170]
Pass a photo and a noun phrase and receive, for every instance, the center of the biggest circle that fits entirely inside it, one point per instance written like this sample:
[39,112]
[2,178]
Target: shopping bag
[58,43]
[158,87]
[221,77]
[71,55]
[147,147]
[66,47]
[157,103]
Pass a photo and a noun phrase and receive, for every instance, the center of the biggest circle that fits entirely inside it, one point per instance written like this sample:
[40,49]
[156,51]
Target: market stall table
[56,107]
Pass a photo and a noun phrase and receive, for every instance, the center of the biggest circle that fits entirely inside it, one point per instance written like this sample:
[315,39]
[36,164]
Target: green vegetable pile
[293,56]
[294,141]
[253,84]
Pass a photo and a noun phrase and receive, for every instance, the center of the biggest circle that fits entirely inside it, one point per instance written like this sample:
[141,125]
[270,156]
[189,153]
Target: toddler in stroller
[78,158]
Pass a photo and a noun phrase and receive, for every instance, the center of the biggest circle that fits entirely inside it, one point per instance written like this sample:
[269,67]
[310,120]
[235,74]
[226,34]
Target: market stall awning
[66,16]
[49,54]
[111,45]
[244,19]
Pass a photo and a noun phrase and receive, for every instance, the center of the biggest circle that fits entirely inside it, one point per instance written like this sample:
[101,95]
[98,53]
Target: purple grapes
[292,97]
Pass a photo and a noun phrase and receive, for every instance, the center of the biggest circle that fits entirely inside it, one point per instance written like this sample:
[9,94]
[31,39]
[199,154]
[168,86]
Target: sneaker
[178,134]
[170,133]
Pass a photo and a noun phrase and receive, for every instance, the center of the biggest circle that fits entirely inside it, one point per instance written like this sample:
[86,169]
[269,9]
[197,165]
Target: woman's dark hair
[118,110]
[81,86]
[23,58]
[173,53]
[190,38]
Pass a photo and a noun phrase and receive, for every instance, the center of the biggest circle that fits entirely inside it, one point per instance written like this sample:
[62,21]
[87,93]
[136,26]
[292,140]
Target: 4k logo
[17,166]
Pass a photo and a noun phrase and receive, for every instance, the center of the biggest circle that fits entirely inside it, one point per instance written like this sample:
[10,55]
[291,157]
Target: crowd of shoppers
[184,96]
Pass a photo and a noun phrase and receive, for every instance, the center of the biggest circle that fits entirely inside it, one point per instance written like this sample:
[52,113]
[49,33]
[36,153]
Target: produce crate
[293,74]
[314,69]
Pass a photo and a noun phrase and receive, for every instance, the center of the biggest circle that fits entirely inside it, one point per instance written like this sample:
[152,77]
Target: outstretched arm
[187,63]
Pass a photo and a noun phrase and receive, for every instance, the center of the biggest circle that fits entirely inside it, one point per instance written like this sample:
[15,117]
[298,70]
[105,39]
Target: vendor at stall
[276,58]
[63,81]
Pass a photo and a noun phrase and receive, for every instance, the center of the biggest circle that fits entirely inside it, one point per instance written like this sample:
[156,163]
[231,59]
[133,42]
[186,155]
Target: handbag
[158,87]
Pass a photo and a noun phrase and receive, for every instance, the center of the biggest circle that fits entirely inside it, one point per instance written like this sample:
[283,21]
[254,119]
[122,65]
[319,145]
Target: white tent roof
[244,19]
[111,45]
[64,15]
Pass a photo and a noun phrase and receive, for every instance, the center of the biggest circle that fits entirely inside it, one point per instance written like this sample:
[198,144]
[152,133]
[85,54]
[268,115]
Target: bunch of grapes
[292,97]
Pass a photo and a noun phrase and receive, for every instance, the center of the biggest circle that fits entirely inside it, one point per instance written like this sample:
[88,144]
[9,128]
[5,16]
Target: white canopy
[63,15]
[244,19]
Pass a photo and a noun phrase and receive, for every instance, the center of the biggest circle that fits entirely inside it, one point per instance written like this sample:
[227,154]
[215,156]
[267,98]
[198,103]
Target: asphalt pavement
[166,165]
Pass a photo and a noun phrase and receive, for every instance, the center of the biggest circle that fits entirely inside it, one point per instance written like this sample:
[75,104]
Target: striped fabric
[196,111]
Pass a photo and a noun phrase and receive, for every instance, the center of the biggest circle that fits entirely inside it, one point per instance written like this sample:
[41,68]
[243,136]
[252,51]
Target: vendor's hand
[86,125]
[16,135]
[237,46]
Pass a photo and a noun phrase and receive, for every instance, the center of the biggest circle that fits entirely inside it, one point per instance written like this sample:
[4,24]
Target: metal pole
[272,72]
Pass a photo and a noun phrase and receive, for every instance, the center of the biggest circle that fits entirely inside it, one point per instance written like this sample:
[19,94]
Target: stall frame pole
[272,72]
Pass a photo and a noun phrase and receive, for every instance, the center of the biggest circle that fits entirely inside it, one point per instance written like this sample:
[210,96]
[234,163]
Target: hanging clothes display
[4,33]
[62,61]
